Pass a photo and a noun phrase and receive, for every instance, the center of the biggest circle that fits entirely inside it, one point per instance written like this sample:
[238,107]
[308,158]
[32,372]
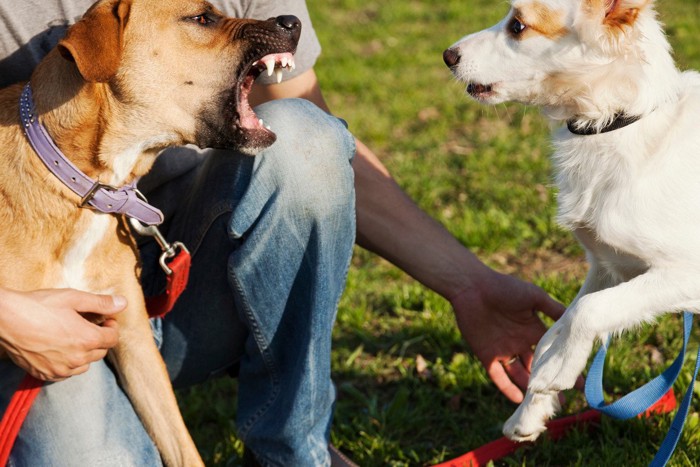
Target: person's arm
[496,313]
[47,333]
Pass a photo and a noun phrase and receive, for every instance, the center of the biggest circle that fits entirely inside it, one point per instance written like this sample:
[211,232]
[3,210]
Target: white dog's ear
[95,42]
[609,24]
[622,13]
[615,14]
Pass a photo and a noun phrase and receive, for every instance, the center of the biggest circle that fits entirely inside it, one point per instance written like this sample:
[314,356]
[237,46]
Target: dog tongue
[248,119]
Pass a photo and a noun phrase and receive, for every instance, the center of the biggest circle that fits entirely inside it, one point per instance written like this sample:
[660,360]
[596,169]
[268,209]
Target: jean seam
[263,348]
[218,210]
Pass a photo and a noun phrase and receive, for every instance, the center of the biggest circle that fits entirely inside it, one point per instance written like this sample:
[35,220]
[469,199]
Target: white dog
[627,167]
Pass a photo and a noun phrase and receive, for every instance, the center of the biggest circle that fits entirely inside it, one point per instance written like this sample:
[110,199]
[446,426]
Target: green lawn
[483,172]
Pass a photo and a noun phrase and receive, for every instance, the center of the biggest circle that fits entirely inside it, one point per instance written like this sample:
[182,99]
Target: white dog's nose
[451,57]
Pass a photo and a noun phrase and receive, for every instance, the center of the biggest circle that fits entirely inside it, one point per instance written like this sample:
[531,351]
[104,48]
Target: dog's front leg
[569,342]
[145,380]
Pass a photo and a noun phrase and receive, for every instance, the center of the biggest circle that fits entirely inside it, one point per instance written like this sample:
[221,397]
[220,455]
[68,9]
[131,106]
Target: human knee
[85,420]
[312,155]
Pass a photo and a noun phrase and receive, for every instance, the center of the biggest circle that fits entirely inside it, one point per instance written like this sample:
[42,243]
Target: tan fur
[619,19]
[542,20]
[120,83]
[618,14]
[96,42]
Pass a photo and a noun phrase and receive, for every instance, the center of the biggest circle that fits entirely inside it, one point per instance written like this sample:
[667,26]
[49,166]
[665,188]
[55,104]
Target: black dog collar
[621,120]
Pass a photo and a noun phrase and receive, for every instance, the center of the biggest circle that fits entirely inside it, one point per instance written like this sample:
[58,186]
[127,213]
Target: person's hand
[498,320]
[55,334]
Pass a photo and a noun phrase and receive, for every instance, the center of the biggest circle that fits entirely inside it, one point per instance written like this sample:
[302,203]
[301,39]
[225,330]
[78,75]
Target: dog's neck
[640,80]
[87,123]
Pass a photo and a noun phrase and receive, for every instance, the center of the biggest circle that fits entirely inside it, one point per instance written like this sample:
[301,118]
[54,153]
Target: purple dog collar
[104,198]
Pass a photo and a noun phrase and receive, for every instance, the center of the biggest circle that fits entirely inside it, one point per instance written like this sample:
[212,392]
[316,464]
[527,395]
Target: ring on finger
[512,360]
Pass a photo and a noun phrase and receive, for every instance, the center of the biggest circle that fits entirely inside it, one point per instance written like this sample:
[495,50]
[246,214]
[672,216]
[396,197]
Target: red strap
[15,414]
[503,447]
[160,305]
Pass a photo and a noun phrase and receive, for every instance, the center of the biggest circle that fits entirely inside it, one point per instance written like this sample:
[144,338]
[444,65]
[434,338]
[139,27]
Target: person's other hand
[498,320]
[56,334]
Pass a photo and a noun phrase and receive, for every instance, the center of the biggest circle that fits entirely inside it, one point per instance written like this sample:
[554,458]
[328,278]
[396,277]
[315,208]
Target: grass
[409,392]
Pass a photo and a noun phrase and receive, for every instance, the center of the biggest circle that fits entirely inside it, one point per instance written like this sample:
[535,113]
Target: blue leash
[642,398]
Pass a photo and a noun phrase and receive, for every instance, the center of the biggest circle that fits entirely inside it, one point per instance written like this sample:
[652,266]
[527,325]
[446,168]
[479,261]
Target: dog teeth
[262,124]
[270,64]
[277,65]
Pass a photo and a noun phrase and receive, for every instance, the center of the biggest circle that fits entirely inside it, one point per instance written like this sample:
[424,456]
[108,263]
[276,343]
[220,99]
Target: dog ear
[95,42]
[622,13]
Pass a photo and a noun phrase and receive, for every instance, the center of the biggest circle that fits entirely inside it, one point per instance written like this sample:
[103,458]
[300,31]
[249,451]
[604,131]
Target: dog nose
[289,22]
[451,57]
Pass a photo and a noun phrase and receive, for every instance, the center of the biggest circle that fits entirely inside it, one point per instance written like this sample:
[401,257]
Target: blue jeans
[271,238]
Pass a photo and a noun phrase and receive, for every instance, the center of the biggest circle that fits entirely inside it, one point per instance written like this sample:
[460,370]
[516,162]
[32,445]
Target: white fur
[631,196]
[77,254]
[123,164]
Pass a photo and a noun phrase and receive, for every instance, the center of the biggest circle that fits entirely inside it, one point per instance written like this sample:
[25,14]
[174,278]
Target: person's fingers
[85,302]
[549,306]
[41,376]
[80,370]
[94,356]
[500,378]
[110,333]
[517,372]
[526,359]
[110,323]
[56,374]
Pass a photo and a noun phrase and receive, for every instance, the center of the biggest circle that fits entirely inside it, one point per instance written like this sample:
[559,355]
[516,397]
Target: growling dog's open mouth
[270,64]
[227,120]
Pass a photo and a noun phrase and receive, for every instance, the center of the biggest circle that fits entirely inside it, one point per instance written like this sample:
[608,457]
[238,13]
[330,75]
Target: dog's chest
[76,260]
[638,196]
[600,191]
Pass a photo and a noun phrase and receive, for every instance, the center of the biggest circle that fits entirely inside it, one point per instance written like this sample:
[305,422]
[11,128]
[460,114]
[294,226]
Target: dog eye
[516,27]
[203,19]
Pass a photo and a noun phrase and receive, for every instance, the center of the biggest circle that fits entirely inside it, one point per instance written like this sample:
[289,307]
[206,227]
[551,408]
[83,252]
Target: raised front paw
[528,420]
[561,362]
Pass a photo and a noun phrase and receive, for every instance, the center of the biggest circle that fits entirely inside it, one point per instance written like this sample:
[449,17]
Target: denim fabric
[271,238]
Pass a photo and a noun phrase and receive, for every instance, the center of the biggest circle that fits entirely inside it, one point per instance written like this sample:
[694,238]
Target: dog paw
[528,420]
[548,339]
[560,365]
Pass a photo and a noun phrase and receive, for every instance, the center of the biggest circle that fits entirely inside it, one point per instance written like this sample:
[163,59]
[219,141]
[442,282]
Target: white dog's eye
[516,27]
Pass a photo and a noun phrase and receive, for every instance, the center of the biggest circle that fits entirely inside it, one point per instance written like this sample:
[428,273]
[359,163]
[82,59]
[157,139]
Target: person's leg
[84,420]
[271,238]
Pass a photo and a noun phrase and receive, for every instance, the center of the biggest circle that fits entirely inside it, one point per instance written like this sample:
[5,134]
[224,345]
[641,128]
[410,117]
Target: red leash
[23,398]
[15,414]
[503,447]
[176,281]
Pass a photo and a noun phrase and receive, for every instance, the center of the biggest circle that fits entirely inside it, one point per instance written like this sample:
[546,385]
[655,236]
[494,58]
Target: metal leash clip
[170,250]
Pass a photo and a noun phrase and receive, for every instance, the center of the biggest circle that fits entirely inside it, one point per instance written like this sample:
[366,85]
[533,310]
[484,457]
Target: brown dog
[130,79]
